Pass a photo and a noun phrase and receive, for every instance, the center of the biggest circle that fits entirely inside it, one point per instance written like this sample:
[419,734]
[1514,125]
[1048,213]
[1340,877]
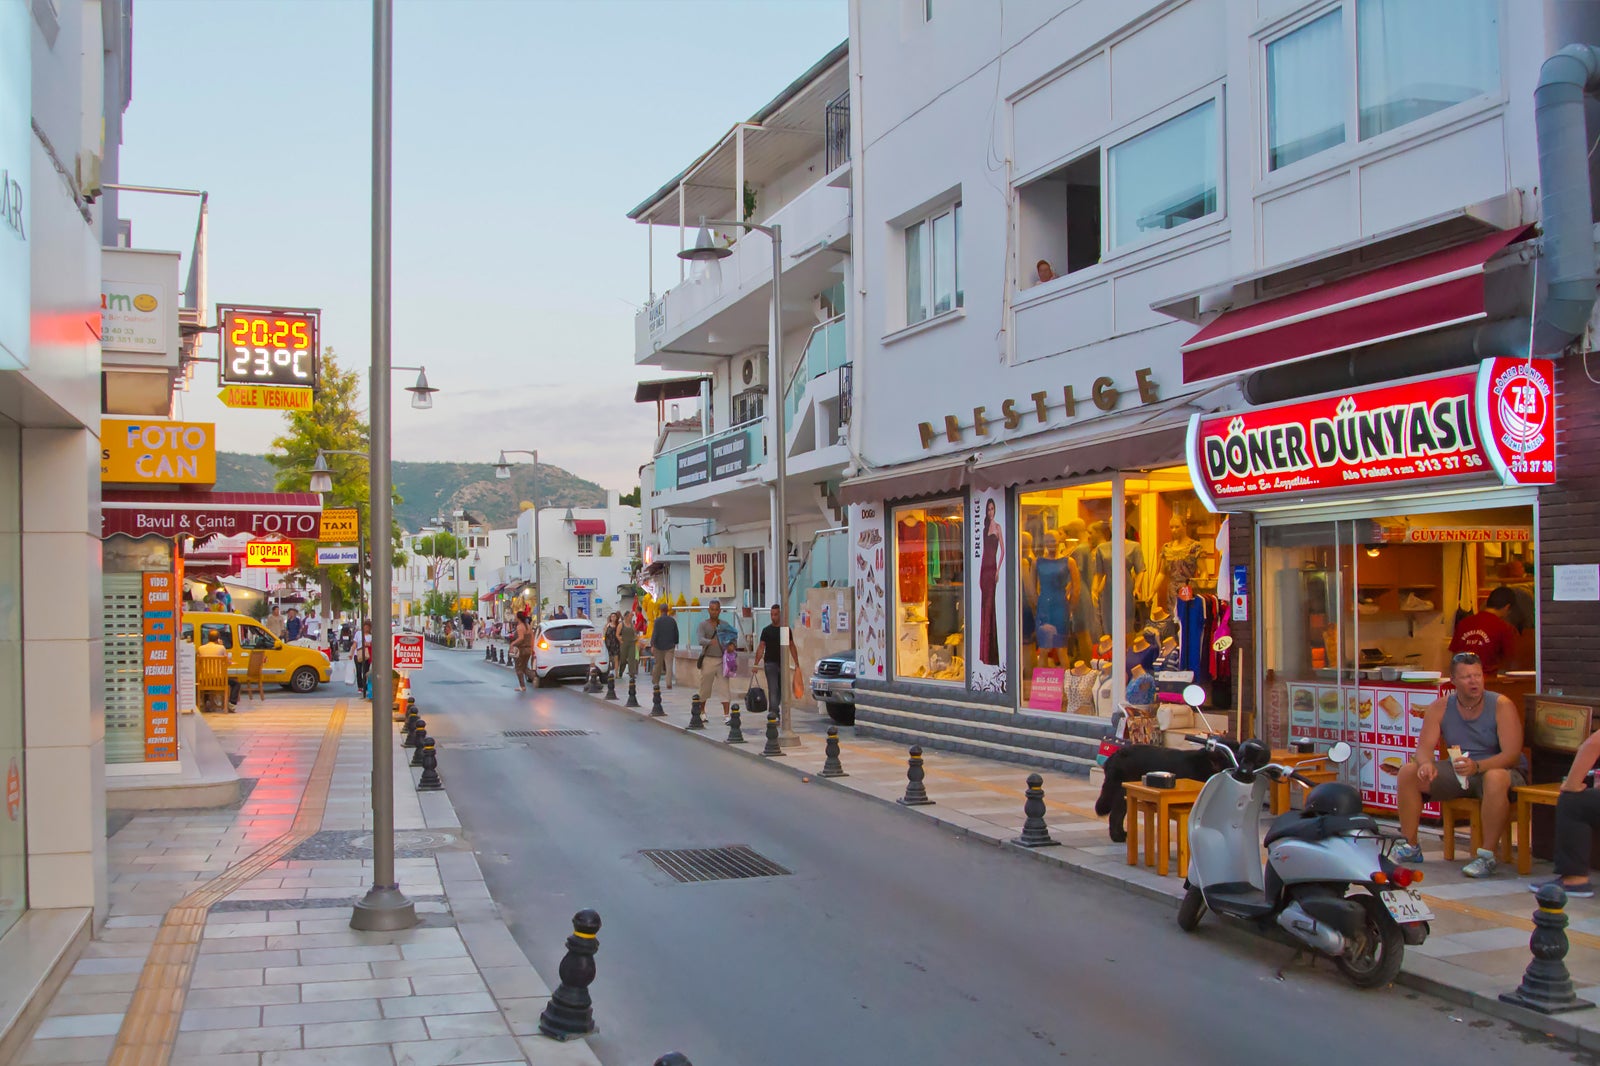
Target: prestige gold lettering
[1104,393]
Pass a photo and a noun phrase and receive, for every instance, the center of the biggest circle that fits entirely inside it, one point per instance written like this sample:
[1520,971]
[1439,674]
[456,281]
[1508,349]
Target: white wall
[558,548]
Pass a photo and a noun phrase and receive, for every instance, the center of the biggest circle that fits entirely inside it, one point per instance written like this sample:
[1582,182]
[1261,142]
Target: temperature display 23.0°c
[269,347]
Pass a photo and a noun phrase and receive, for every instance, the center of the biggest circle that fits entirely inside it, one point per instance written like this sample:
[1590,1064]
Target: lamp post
[384,907]
[706,248]
[502,472]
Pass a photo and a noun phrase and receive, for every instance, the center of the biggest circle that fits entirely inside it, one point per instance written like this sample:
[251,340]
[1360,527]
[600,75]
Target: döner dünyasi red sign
[1499,420]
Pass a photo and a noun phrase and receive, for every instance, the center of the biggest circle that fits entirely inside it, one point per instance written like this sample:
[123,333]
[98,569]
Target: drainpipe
[1565,215]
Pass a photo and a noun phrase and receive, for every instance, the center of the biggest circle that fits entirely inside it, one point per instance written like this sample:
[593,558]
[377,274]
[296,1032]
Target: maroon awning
[595,527]
[140,513]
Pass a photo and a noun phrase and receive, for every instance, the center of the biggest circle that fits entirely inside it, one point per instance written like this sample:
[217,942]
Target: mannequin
[1028,575]
[1058,580]
[1180,557]
[1080,608]
[1081,682]
[1104,593]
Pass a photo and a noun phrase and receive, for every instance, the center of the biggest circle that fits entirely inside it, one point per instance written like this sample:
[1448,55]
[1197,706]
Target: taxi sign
[408,651]
[266,398]
[339,526]
[594,642]
[272,554]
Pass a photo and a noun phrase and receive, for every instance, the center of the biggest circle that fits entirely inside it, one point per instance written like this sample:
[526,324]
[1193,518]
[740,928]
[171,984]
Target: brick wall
[1569,532]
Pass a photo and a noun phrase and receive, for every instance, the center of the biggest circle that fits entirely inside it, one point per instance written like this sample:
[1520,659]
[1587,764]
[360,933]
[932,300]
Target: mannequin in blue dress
[1058,582]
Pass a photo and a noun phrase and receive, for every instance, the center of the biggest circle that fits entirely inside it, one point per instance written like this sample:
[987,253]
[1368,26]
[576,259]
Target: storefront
[1391,527]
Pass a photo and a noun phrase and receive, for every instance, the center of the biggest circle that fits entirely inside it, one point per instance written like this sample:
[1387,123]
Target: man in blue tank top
[1487,731]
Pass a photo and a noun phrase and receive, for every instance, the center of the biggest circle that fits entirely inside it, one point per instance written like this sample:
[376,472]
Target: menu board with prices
[159,606]
[1381,723]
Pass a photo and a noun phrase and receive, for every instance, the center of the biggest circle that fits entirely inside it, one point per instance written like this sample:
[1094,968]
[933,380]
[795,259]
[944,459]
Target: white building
[587,555]
[1051,200]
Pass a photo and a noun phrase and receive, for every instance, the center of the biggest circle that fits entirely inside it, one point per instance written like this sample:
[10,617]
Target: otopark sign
[1494,425]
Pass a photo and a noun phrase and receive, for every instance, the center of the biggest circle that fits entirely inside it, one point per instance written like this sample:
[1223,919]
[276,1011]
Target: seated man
[1577,814]
[213,648]
[1487,730]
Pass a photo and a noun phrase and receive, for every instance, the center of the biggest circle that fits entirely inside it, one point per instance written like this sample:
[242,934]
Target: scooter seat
[1297,825]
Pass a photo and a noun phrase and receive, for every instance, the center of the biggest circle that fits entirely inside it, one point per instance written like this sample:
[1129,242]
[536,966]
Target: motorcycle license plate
[1406,905]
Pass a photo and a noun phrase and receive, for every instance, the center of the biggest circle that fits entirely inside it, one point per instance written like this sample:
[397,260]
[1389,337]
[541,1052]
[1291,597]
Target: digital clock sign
[264,346]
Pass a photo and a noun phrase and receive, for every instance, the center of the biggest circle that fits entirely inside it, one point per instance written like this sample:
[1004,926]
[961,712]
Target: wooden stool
[1529,797]
[1280,788]
[1451,811]
[1158,807]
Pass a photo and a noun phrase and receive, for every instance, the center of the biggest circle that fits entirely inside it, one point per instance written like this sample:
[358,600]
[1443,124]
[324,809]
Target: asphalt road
[892,942]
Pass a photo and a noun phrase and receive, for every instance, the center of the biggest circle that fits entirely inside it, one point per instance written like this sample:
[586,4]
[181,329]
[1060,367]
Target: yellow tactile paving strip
[150,1027]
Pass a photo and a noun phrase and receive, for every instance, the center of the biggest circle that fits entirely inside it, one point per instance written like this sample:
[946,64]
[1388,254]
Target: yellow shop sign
[157,452]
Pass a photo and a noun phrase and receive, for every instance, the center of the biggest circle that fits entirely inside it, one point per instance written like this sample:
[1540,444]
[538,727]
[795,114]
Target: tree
[439,548]
[333,423]
[631,499]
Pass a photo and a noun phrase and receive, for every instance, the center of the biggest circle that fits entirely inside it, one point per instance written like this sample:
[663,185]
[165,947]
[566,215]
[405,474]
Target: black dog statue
[1134,761]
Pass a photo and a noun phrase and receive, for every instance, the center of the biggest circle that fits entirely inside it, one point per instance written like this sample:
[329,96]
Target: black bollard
[831,766]
[656,710]
[673,1058]
[611,684]
[410,724]
[1035,834]
[735,731]
[488,651]
[696,713]
[916,795]
[570,1011]
[772,750]
[421,738]
[1546,985]
[633,693]
[431,782]
[417,727]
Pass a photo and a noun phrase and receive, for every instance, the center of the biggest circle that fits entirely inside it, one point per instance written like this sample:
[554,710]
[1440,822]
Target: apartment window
[633,545]
[933,265]
[1059,221]
[1305,104]
[1415,57]
[585,543]
[1164,177]
[753,576]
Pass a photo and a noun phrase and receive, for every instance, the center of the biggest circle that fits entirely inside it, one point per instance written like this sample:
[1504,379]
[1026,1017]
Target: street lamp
[502,472]
[421,392]
[706,248]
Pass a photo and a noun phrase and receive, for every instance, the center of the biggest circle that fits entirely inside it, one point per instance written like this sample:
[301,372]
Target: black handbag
[755,700]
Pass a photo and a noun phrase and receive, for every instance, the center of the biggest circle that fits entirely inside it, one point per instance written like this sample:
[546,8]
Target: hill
[430,489]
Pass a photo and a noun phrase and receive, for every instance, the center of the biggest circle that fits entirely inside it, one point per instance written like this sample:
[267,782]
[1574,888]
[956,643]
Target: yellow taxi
[294,667]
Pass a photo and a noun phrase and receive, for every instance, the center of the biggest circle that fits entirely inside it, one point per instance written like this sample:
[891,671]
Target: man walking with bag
[664,641]
[716,638]
[769,654]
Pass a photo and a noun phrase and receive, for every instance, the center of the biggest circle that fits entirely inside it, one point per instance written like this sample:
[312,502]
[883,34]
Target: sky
[524,131]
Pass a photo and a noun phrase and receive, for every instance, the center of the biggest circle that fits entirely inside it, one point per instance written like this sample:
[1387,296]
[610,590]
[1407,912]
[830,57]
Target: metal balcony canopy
[659,390]
[790,129]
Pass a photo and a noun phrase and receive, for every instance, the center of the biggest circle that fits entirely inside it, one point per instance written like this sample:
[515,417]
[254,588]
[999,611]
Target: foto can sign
[408,651]
[269,554]
[340,526]
[157,452]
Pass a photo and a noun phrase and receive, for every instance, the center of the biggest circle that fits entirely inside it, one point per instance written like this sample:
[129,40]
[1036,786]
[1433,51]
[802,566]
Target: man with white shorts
[709,637]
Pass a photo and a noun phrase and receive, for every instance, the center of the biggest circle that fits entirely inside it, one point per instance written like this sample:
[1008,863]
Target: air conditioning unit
[751,373]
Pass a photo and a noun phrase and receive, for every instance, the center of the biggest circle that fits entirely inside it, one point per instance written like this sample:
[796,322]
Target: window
[220,630]
[585,543]
[254,638]
[749,405]
[753,576]
[1305,100]
[933,265]
[1415,57]
[1165,176]
[1058,218]
[564,633]
[634,543]
[929,584]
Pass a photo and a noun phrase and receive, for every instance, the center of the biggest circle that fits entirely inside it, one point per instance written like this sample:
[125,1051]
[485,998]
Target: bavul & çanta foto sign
[1455,426]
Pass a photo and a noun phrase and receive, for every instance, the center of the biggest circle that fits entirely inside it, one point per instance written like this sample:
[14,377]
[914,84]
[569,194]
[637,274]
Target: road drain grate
[713,864]
[547,733]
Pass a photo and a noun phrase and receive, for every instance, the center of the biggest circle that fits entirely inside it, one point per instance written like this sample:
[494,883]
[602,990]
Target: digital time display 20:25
[269,347]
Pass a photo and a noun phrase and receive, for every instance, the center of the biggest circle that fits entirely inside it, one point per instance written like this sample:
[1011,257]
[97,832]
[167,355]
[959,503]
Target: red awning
[1413,296]
[595,527]
[210,514]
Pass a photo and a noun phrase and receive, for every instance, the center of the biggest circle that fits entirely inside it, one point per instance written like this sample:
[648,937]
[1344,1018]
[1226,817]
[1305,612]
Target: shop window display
[929,585]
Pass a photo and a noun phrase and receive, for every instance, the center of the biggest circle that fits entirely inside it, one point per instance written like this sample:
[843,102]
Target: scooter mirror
[1194,695]
[1339,753]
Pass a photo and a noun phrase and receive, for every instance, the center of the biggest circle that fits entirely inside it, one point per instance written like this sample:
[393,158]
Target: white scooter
[1328,881]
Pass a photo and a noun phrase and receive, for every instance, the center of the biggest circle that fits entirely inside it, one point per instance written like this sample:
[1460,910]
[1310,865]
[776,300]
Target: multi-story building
[788,166]
[1077,225]
[588,558]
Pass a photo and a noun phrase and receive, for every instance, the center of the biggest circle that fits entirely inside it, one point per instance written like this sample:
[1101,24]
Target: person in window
[1488,634]
[293,627]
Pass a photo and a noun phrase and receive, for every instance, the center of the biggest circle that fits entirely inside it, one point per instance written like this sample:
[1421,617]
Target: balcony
[825,352]
[714,473]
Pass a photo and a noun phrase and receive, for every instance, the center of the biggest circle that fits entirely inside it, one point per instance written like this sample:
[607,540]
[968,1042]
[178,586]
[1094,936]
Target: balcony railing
[825,351]
[837,127]
[720,457]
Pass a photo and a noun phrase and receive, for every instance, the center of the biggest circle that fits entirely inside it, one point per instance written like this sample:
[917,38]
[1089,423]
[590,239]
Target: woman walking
[361,653]
[522,648]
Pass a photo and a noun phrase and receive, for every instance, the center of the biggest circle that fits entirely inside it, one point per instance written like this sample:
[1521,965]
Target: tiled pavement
[279,977]
[1478,947]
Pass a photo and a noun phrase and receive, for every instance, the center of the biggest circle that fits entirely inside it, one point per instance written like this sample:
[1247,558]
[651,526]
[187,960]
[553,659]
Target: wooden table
[1296,759]
[1528,797]
[1158,806]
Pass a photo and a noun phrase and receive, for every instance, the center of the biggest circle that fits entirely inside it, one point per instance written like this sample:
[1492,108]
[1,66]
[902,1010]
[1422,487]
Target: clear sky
[524,132]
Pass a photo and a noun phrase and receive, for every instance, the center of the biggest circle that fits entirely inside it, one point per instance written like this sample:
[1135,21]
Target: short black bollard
[431,782]
[673,1058]
[570,1011]
[656,710]
[410,724]
[611,684]
[772,750]
[633,693]
[831,766]
[696,713]
[488,651]
[735,731]
[916,795]
[1035,834]
[1546,985]
[416,727]
[421,738]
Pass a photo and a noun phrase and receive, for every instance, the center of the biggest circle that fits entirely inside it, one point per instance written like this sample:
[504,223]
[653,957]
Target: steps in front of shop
[1064,745]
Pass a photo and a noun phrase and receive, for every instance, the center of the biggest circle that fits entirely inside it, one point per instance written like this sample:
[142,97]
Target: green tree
[631,499]
[436,604]
[443,550]
[333,423]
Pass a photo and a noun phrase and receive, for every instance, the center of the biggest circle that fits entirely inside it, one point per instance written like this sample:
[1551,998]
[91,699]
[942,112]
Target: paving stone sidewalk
[281,979]
[1478,947]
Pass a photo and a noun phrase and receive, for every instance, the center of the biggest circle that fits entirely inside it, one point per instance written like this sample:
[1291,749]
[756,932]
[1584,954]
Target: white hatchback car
[558,651]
